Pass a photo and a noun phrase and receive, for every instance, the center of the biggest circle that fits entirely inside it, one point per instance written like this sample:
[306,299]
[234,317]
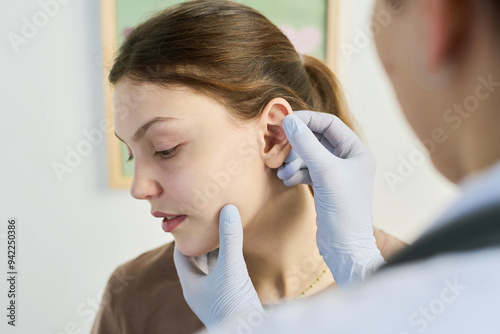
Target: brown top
[144,295]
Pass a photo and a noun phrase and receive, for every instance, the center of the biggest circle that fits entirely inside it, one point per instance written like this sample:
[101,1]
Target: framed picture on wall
[312,27]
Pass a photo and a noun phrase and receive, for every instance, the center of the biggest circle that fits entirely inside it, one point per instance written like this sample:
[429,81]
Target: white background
[72,234]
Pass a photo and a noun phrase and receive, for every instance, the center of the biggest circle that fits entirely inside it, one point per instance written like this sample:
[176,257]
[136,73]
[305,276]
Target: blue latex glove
[329,156]
[216,285]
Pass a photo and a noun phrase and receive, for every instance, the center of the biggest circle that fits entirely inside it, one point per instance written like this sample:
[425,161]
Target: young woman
[201,90]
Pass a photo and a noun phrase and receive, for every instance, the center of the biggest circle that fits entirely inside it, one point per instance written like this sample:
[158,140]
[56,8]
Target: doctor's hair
[230,52]
[492,8]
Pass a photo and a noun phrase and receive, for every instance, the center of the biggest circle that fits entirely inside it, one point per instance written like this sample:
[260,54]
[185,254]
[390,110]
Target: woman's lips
[169,225]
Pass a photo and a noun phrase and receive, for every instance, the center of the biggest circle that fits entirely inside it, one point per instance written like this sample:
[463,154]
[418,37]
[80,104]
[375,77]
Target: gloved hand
[341,170]
[216,285]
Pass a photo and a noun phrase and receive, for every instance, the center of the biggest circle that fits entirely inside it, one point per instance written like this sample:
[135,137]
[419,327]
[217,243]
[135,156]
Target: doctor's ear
[449,25]
[275,146]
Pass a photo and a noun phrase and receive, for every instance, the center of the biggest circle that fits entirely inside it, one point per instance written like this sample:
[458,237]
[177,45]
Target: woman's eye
[167,154]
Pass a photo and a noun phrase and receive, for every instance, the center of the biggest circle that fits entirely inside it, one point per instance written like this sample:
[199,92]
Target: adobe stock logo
[423,318]
[31,27]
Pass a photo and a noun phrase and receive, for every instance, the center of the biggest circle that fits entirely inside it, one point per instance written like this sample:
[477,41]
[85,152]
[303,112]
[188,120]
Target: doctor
[443,59]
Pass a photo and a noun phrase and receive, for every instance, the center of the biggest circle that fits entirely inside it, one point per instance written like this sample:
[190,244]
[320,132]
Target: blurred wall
[72,234]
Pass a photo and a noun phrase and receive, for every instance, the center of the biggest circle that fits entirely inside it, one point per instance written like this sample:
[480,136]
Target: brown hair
[492,8]
[230,52]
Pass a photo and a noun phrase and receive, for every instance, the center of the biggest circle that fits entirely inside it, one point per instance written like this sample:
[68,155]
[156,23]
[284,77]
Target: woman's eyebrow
[144,128]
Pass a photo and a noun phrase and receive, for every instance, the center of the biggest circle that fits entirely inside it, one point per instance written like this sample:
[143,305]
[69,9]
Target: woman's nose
[144,185]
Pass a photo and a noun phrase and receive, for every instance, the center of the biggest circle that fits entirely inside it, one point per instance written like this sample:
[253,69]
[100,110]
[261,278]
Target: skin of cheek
[198,234]
[233,173]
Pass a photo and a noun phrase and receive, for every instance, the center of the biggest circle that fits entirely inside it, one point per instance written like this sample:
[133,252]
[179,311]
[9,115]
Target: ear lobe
[276,146]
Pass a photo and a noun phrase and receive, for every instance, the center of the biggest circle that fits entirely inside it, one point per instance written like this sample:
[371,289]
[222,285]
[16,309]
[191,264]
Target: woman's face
[205,160]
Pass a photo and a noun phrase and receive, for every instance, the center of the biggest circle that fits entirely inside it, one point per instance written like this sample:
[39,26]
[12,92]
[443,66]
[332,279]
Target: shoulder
[144,295]
[155,264]
[387,243]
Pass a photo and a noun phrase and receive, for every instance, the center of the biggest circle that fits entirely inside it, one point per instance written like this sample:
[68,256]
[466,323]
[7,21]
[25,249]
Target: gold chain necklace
[312,284]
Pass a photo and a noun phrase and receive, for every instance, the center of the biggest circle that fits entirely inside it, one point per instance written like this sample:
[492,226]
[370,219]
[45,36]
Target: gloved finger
[291,157]
[230,237]
[294,173]
[334,134]
[305,144]
[304,115]
[314,125]
[286,171]
[302,176]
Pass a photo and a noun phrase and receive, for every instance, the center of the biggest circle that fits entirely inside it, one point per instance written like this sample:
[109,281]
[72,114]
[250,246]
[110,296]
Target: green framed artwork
[310,25]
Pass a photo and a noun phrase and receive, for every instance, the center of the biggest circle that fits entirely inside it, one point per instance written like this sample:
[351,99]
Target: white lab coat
[450,293]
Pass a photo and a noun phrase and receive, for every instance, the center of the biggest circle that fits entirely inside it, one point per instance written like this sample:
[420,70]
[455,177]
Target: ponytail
[326,95]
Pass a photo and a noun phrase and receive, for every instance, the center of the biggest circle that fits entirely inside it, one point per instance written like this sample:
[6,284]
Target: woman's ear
[275,146]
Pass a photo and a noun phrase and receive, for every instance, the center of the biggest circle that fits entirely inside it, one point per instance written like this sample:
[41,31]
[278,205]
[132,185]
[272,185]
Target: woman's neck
[280,246]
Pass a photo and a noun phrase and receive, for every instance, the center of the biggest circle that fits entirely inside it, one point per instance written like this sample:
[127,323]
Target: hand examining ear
[216,285]
[329,156]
